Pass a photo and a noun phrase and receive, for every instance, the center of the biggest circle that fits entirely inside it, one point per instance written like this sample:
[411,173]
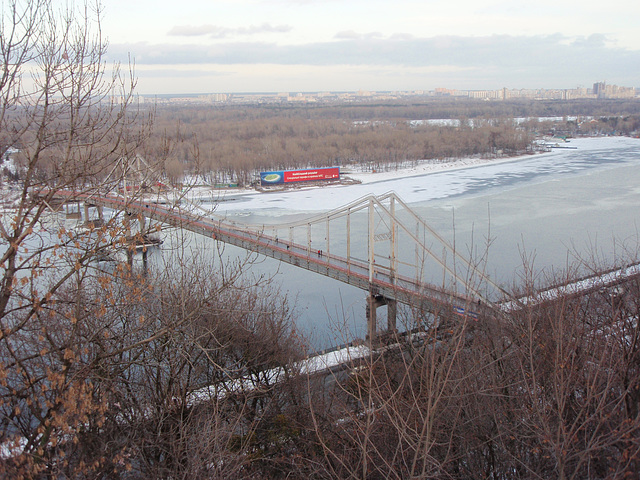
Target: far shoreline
[427,167]
[421,169]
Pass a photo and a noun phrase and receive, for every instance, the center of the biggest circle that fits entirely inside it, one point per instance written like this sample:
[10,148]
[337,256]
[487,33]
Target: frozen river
[553,209]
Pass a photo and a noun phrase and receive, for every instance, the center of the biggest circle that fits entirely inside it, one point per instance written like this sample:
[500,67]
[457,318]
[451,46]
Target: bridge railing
[348,269]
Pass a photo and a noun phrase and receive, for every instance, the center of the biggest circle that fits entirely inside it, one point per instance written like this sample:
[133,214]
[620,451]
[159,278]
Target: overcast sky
[218,46]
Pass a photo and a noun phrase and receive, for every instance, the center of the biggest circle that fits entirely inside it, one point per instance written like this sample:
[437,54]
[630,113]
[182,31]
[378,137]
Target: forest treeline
[428,108]
[198,374]
[235,143]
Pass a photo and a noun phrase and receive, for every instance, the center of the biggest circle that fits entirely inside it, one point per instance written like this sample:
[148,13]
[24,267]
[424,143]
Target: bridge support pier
[392,311]
[375,300]
[145,265]
[73,213]
[87,215]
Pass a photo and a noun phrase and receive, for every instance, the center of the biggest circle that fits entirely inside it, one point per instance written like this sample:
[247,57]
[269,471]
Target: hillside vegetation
[234,143]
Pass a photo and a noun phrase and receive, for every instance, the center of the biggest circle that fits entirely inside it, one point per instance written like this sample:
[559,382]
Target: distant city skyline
[599,90]
[235,46]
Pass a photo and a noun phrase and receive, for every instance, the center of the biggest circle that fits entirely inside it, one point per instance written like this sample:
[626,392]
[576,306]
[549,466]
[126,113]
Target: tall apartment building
[599,89]
[602,90]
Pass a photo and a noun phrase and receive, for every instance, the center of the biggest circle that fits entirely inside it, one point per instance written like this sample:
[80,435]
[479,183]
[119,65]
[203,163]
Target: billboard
[308,175]
[271,178]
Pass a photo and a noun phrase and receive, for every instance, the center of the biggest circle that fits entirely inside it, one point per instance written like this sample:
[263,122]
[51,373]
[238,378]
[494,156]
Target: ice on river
[431,181]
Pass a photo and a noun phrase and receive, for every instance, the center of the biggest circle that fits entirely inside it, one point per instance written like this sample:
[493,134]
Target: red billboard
[331,173]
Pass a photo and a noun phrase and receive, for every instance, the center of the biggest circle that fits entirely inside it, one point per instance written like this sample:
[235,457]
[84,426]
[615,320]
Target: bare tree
[193,368]
[100,368]
[549,390]
[577,358]
[69,118]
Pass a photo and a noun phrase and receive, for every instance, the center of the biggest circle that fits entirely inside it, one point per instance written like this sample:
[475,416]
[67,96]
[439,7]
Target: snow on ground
[430,166]
[426,181]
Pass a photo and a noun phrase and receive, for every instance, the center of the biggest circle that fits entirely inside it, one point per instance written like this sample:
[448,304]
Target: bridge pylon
[377,243]
[374,301]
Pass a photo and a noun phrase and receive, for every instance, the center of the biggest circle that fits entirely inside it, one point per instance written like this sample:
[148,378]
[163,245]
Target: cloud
[215,31]
[597,40]
[498,57]
[370,49]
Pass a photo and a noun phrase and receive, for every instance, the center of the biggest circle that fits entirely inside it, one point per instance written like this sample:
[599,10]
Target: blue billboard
[271,178]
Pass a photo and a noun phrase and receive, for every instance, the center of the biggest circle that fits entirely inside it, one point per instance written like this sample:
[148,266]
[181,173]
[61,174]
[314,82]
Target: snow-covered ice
[432,180]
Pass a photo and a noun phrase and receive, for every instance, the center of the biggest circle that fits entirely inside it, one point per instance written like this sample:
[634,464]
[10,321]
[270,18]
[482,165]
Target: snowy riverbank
[426,167]
[426,181]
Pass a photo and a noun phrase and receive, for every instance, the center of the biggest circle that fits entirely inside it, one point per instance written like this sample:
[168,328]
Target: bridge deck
[349,271]
[352,271]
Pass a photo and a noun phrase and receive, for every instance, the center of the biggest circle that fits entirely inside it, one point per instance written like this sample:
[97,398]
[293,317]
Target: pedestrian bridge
[376,243]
